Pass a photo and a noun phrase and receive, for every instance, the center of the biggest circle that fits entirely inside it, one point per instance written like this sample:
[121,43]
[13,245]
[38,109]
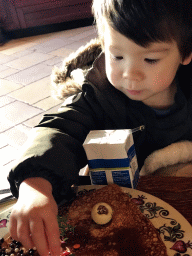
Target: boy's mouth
[134,92]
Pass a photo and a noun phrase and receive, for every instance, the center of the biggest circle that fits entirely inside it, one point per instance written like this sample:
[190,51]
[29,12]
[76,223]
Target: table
[176,191]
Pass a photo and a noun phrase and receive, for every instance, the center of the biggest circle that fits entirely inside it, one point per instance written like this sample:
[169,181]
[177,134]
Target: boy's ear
[187,60]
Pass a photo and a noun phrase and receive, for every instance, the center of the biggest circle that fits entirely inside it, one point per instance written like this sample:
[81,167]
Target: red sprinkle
[65,253]
[76,246]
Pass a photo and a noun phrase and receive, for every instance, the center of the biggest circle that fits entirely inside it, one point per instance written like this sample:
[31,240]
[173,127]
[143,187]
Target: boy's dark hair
[146,21]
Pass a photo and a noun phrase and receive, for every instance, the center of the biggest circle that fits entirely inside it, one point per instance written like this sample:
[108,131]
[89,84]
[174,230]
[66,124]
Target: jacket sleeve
[54,148]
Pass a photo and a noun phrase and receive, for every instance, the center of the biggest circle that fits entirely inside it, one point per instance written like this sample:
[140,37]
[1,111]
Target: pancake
[128,232]
[103,222]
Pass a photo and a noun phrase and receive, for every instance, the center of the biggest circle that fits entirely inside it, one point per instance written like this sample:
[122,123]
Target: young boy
[140,78]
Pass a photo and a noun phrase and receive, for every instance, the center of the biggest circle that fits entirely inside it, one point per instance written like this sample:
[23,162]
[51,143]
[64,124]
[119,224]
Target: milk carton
[112,157]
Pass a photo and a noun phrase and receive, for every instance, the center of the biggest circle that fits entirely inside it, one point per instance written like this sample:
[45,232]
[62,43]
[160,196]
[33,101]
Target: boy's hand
[33,220]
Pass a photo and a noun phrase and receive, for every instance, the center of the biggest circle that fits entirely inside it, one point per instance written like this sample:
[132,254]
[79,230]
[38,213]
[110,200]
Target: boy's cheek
[113,78]
[110,73]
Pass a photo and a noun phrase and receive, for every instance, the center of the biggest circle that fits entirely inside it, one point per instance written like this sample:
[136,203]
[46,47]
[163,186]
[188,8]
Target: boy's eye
[117,57]
[151,61]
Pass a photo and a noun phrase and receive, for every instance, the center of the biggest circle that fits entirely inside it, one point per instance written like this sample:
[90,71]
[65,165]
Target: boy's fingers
[13,228]
[23,234]
[53,235]
[39,237]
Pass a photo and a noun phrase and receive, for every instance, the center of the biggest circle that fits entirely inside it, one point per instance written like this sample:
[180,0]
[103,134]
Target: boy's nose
[133,75]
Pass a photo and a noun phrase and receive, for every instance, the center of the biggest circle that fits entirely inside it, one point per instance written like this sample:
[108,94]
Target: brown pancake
[128,233]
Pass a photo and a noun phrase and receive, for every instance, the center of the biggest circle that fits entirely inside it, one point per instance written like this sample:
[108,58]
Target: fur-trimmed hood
[67,80]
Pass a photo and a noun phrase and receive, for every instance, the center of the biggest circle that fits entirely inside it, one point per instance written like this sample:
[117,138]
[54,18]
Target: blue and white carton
[112,158]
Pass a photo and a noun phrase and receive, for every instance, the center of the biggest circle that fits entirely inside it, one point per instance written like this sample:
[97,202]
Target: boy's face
[143,74]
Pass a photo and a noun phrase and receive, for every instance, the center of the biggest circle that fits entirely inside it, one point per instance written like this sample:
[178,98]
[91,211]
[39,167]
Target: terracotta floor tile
[5,58]
[39,39]
[33,92]
[28,60]
[8,72]
[12,44]
[31,74]
[3,140]
[18,47]
[8,154]
[8,86]
[62,52]
[77,44]
[19,54]
[5,100]
[91,32]
[31,122]
[3,68]
[47,103]
[54,61]
[35,120]
[16,113]
[72,32]
[17,136]
[8,58]
[4,184]
[5,125]
[50,45]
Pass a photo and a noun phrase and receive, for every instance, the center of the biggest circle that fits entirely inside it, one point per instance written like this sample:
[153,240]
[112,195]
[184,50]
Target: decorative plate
[174,229]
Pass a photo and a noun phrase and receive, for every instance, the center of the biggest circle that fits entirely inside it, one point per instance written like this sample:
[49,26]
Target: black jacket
[54,150]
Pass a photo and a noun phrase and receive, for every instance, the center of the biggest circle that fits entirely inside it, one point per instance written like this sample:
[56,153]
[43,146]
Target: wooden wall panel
[8,15]
[21,14]
[49,13]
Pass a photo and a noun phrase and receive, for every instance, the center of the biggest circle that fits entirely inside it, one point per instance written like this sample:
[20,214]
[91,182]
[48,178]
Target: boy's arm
[33,220]
[54,149]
